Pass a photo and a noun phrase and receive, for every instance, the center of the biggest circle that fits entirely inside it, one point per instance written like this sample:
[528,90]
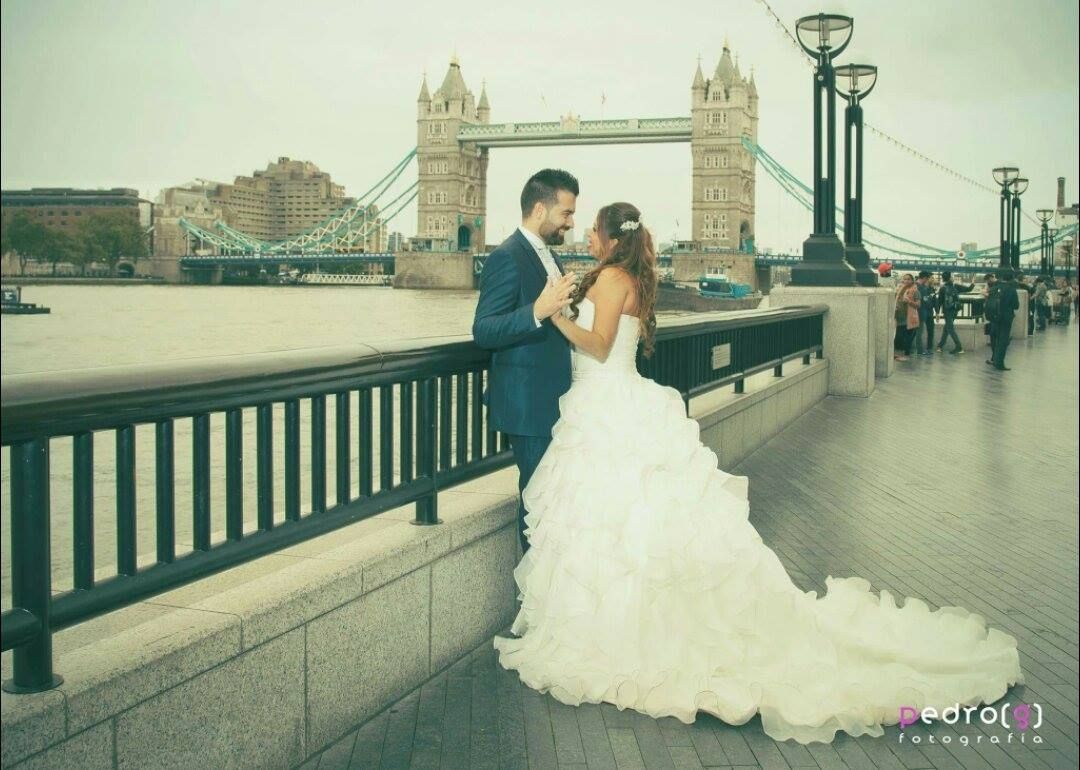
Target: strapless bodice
[622,360]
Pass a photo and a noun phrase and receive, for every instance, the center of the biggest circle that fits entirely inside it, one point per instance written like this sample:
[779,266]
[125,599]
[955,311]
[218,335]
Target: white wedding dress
[646,586]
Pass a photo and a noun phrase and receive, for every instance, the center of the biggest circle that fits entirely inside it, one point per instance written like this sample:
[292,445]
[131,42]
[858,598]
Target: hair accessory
[629,225]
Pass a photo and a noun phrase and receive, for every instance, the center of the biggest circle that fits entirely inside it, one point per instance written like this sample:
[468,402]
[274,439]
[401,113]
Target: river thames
[92,326]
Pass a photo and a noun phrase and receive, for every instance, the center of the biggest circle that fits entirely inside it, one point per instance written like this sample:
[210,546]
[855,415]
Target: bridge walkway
[954,483]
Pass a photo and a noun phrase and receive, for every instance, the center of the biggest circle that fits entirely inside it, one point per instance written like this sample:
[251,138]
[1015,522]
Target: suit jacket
[530,366]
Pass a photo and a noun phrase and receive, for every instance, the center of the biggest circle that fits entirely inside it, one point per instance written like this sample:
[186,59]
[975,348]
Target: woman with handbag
[907,317]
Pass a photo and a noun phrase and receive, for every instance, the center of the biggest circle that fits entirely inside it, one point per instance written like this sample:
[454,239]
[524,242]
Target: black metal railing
[696,354]
[419,427]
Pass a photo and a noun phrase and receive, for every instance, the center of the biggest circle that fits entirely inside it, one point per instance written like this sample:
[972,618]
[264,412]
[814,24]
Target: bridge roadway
[386,259]
[954,483]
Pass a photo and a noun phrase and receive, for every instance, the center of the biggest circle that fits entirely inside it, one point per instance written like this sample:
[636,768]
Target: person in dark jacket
[926,316]
[522,286]
[1023,285]
[990,290]
[1008,304]
[948,300]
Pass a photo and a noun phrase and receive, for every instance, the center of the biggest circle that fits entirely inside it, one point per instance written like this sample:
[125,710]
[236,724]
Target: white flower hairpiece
[629,225]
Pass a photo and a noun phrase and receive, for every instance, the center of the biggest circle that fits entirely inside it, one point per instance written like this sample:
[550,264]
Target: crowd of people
[922,299]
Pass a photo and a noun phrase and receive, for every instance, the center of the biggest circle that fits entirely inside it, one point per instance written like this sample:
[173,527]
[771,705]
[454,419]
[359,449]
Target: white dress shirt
[546,258]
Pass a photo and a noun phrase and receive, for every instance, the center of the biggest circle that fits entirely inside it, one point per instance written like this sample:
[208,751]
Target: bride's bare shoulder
[614,277]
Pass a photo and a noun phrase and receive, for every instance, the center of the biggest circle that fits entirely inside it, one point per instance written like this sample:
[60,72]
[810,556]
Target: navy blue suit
[530,365]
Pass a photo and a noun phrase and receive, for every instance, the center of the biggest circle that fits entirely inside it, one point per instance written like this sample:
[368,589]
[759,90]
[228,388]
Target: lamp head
[824,35]
[1004,175]
[855,81]
[1019,185]
[1044,215]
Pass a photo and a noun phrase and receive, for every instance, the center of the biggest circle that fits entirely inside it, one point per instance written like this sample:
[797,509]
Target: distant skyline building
[285,200]
[193,203]
[65,208]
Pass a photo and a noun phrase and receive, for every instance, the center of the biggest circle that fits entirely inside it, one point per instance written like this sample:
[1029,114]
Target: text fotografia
[1006,715]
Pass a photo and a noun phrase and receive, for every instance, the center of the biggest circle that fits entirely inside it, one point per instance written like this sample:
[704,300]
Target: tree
[58,247]
[26,238]
[112,238]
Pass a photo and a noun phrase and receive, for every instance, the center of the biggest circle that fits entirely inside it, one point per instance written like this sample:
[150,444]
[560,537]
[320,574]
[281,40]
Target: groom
[522,286]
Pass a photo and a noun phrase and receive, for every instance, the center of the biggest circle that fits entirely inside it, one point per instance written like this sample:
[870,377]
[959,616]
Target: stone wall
[433,270]
[166,268]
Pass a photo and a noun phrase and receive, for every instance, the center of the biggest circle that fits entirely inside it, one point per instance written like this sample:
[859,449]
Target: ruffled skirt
[646,586]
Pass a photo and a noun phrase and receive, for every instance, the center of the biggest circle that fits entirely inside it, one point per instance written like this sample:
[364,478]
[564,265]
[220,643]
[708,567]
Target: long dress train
[646,586]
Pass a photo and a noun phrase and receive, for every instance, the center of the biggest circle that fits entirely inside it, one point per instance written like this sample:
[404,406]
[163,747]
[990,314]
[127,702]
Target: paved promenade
[953,483]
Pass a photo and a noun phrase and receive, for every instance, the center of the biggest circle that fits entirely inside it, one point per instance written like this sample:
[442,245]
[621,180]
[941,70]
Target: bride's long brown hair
[633,253]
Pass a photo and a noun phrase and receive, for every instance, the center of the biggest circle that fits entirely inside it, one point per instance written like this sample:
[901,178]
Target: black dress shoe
[1002,368]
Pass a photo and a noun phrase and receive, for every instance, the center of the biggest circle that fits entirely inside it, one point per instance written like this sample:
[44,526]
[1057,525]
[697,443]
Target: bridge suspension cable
[803,194]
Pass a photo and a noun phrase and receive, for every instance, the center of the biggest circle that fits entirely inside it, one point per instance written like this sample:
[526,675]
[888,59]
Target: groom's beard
[554,238]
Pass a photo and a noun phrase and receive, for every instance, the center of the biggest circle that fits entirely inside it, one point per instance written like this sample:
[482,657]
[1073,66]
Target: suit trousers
[528,450]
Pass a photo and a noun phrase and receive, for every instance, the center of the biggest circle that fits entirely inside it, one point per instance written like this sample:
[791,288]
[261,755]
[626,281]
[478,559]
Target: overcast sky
[149,94]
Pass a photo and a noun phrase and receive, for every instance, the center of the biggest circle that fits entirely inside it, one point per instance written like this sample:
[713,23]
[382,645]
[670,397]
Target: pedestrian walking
[948,300]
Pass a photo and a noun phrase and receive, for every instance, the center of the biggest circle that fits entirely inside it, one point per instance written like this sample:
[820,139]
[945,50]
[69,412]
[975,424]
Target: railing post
[31,565]
[427,507]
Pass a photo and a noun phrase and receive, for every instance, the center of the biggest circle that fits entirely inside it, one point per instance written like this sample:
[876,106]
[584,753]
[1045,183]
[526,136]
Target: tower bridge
[455,135]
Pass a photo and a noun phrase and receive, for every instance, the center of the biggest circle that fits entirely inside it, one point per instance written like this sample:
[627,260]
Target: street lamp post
[823,261]
[1044,216]
[1051,234]
[1004,176]
[854,83]
[1017,188]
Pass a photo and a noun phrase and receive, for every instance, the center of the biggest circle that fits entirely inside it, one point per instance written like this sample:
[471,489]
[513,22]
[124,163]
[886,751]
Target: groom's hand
[555,296]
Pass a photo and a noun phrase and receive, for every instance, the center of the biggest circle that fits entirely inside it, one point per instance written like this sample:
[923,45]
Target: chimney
[1061,193]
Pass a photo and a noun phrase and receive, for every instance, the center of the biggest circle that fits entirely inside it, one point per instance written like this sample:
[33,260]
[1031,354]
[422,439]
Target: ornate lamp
[855,82]
[824,36]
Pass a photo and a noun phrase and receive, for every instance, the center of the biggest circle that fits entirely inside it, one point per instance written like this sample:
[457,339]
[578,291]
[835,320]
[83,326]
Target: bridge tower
[723,110]
[452,194]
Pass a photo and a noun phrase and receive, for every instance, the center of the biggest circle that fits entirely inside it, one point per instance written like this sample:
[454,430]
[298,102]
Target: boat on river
[12,303]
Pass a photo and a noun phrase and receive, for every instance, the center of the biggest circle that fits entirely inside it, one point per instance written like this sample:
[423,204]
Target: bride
[646,586]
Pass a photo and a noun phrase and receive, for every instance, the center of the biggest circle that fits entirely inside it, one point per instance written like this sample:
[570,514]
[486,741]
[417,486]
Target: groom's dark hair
[544,186]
